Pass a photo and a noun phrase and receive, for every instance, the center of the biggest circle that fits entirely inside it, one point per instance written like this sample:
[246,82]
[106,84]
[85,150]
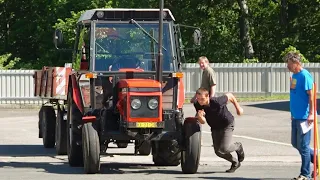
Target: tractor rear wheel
[91,149]
[191,155]
[166,153]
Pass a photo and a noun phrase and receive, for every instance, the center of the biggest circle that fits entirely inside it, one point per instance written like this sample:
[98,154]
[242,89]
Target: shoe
[240,153]
[234,167]
[300,177]
[316,174]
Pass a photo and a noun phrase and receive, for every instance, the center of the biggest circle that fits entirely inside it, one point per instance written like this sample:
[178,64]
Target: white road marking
[256,139]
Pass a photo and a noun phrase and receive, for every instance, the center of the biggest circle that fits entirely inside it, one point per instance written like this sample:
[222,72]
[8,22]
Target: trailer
[125,86]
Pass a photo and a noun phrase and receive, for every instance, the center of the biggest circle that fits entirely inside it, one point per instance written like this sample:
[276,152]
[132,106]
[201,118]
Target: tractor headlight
[135,104]
[153,104]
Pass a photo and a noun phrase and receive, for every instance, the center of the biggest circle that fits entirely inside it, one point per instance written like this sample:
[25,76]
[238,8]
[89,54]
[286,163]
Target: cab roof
[116,14]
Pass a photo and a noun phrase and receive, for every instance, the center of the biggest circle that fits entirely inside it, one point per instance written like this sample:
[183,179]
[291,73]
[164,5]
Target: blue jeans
[302,143]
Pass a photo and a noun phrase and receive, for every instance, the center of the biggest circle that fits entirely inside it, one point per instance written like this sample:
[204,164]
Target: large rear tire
[74,138]
[48,126]
[91,149]
[145,148]
[166,153]
[61,133]
[190,157]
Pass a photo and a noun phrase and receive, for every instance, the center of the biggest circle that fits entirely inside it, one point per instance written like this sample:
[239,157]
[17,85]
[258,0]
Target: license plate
[146,124]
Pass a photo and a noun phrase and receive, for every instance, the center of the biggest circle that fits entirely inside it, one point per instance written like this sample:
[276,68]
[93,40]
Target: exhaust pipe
[160,55]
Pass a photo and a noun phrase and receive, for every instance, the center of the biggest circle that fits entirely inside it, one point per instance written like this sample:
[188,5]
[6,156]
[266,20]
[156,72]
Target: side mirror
[197,37]
[57,38]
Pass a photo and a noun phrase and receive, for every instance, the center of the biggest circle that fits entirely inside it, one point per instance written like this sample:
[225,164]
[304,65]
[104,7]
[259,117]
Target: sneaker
[300,177]
[240,153]
[234,167]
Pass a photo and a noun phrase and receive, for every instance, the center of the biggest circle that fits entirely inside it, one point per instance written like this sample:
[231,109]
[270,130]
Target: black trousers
[222,143]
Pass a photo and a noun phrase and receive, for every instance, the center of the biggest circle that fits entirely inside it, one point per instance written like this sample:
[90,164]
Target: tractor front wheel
[190,157]
[74,120]
[91,149]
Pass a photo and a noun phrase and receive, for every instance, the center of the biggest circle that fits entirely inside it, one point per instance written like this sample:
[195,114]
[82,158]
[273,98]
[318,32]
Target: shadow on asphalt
[106,168]
[25,150]
[240,178]
[55,168]
[119,168]
[280,106]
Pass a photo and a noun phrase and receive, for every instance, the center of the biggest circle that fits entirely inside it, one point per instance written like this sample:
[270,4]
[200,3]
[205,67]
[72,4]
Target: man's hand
[310,119]
[239,111]
[201,113]
[200,116]
[193,99]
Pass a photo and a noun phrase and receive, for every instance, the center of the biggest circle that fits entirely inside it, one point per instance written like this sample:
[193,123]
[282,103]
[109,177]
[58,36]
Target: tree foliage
[6,62]
[272,26]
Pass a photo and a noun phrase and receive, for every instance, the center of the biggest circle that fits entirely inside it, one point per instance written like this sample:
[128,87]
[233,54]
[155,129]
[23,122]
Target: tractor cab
[114,39]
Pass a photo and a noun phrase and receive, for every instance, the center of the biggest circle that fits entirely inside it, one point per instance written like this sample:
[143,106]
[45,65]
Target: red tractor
[125,86]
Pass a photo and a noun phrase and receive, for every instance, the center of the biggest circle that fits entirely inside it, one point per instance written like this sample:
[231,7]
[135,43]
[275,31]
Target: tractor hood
[139,83]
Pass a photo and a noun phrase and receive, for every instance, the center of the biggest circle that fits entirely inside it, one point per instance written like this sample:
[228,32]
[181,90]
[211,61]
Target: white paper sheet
[306,127]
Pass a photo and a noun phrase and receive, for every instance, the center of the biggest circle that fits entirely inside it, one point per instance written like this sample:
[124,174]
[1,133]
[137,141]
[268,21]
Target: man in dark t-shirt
[214,111]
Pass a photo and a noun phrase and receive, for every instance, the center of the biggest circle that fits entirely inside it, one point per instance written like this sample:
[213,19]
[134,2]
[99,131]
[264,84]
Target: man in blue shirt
[301,108]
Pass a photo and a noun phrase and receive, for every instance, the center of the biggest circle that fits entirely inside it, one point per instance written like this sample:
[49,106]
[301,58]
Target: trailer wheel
[166,153]
[48,126]
[61,133]
[74,148]
[91,149]
[40,115]
[191,155]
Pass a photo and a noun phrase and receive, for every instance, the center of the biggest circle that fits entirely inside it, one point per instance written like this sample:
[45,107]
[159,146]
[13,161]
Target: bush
[253,60]
[293,49]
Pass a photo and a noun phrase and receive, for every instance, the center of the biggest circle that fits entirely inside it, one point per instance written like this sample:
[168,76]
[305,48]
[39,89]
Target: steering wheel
[125,62]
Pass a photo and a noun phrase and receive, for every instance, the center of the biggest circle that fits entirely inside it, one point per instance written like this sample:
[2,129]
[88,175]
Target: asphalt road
[264,130]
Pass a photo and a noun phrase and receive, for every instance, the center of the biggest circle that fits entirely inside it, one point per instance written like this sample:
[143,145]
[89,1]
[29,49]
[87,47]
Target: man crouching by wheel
[214,111]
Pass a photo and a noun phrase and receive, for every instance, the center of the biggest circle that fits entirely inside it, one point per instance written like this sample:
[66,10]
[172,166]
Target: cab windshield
[126,45]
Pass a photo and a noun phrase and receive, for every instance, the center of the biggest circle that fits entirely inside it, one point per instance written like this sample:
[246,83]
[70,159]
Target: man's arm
[234,101]
[308,87]
[212,83]
[311,103]
[212,90]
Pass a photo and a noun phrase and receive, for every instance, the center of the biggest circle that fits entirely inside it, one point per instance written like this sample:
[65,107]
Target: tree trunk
[6,26]
[245,29]
[284,14]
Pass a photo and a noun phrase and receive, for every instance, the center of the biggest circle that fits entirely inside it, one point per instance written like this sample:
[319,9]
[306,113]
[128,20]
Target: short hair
[202,91]
[203,58]
[292,56]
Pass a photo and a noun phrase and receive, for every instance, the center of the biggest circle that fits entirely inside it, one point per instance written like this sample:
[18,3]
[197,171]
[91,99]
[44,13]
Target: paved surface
[264,131]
